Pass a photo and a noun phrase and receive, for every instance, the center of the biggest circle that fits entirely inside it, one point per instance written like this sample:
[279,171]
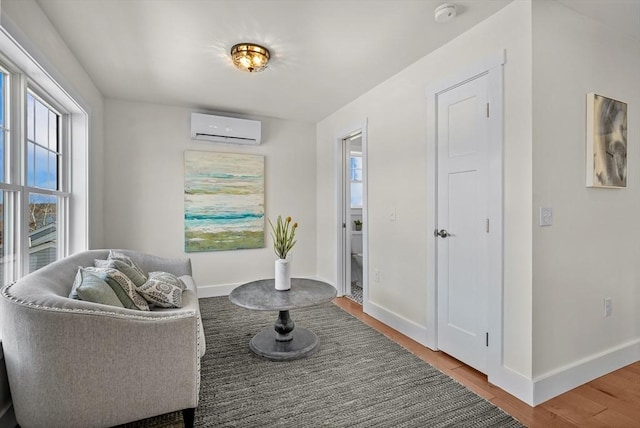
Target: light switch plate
[546,216]
[608,306]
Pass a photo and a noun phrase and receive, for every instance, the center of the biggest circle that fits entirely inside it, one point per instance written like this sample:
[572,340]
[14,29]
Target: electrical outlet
[608,306]
[392,215]
[376,275]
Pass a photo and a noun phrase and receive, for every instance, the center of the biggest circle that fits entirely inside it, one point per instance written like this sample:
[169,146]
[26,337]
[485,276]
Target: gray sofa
[73,363]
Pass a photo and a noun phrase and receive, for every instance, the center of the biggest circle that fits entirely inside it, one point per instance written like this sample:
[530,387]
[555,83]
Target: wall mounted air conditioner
[225,129]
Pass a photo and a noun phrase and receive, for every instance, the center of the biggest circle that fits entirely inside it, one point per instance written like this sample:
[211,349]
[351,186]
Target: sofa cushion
[90,288]
[124,288]
[163,289]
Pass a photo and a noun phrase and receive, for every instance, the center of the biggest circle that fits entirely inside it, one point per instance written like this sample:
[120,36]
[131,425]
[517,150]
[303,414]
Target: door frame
[343,234]
[492,66]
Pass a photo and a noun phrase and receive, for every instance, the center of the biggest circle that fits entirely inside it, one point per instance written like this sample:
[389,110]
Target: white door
[462,219]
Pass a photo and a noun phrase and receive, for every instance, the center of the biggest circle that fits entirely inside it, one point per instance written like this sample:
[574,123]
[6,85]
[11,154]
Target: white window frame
[72,222]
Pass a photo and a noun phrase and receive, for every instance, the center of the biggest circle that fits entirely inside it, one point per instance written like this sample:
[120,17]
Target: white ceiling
[325,53]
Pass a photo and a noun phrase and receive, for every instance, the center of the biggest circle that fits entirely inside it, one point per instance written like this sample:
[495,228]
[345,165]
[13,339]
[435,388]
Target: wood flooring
[610,401]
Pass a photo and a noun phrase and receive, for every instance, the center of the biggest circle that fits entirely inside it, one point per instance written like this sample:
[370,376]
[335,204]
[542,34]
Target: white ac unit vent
[225,129]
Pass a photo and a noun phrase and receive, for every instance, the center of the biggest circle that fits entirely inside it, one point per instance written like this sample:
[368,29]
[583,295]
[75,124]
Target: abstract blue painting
[223,201]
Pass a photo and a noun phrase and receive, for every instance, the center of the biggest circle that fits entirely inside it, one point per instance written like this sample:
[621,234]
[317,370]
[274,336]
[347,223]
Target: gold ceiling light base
[250,57]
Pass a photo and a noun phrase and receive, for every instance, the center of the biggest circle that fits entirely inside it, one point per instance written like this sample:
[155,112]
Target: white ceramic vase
[283,275]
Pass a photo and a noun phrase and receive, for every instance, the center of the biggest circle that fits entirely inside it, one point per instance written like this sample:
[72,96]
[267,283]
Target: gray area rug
[358,378]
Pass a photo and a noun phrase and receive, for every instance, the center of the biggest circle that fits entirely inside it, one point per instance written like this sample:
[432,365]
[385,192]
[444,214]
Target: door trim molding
[491,66]
[341,287]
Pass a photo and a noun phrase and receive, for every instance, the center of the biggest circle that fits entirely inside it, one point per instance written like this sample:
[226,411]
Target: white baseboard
[408,328]
[512,382]
[571,376]
[557,382]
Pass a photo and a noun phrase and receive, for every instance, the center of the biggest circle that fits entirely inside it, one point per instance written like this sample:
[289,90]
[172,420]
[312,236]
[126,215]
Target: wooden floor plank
[634,368]
[574,407]
[613,419]
[610,401]
[609,397]
[475,381]
[533,417]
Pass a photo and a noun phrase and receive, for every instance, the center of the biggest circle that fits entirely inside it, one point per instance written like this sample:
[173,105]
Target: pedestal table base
[284,342]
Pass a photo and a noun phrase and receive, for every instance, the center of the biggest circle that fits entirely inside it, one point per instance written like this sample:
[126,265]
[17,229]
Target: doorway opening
[352,216]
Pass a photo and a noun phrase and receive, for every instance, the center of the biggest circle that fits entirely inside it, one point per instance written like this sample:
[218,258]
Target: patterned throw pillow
[124,288]
[117,255]
[90,288]
[135,275]
[163,289]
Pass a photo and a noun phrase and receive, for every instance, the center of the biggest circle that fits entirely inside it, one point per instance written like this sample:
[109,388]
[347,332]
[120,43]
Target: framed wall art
[606,142]
[223,201]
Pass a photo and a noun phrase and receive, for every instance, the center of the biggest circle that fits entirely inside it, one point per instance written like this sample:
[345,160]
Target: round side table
[284,341]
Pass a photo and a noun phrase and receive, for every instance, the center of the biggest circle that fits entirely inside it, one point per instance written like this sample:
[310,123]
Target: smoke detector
[445,12]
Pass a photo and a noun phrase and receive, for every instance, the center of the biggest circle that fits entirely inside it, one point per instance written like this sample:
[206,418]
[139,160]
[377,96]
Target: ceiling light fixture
[250,57]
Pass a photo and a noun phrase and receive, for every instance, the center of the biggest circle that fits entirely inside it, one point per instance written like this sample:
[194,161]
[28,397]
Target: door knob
[441,233]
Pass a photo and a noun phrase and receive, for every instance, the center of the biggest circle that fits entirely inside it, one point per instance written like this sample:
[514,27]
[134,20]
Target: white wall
[398,178]
[26,23]
[592,250]
[144,190]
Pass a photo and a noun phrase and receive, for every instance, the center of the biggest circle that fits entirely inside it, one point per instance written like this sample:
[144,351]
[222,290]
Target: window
[43,162]
[43,148]
[356,180]
[34,171]
[6,271]
[3,120]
